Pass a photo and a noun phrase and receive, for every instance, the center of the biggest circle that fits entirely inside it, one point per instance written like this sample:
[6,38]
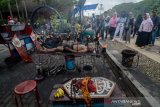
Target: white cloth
[122,19]
[146,25]
[11,22]
[119,29]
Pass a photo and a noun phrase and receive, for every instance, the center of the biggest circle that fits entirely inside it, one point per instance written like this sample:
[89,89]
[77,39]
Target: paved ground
[148,70]
[3,52]
[150,56]
[150,52]
[10,77]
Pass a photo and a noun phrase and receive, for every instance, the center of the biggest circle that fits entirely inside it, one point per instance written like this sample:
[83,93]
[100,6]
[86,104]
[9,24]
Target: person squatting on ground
[144,31]
[120,27]
[154,34]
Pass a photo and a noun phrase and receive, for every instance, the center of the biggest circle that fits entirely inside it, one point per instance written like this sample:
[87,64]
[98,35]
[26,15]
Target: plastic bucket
[128,57]
[70,62]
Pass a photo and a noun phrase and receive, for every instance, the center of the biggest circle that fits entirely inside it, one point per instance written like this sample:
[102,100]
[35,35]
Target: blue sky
[107,4]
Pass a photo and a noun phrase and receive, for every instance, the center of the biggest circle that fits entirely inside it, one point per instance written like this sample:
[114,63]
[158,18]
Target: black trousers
[112,31]
[143,38]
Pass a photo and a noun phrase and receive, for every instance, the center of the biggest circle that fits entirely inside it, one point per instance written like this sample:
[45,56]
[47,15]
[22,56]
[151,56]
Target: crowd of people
[124,26]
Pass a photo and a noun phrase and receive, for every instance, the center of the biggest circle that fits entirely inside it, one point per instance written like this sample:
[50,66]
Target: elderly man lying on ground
[70,48]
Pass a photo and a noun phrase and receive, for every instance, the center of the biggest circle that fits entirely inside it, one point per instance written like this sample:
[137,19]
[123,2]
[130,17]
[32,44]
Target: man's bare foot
[42,50]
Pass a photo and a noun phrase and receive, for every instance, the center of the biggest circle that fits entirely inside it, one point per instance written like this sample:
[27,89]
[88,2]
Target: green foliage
[4,4]
[63,6]
[55,22]
[1,21]
[66,26]
[137,8]
[153,4]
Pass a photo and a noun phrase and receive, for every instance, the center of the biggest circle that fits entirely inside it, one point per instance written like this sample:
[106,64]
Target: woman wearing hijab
[144,31]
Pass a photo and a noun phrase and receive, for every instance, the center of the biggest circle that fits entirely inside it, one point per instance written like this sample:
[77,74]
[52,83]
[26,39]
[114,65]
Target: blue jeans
[153,36]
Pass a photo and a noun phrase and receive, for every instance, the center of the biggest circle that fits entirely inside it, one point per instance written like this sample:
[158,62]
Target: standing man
[155,20]
[93,20]
[107,25]
[100,26]
[158,29]
[128,27]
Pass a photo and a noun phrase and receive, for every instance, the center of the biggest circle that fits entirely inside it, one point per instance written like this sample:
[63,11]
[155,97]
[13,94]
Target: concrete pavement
[146,70]
[4,53]
[151,52]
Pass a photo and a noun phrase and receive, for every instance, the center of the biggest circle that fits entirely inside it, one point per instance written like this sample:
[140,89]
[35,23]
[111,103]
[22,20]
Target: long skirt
[143,38]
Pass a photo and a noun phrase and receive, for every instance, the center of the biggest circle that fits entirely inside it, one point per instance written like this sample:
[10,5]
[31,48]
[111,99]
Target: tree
[4,4]
[63,6]
[138,8]
[153,4]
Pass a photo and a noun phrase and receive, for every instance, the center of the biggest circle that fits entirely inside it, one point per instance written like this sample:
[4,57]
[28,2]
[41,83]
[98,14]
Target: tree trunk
[17,9]
[1,16]
[10,10]
[24,3]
